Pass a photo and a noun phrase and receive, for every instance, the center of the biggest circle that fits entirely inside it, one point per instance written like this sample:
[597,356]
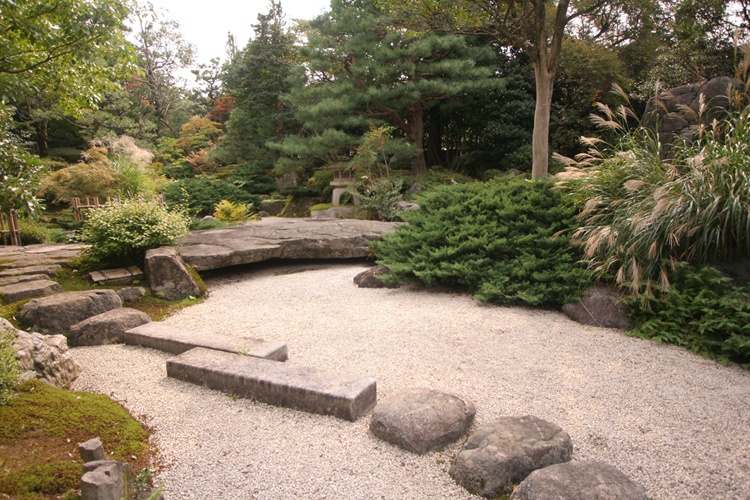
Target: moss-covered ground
[39,434]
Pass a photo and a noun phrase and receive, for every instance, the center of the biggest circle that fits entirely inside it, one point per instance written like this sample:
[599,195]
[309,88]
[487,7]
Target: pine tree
[257,77]
[365,71]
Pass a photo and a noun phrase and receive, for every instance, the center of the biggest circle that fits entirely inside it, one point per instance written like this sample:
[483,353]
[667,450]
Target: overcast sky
[206,24]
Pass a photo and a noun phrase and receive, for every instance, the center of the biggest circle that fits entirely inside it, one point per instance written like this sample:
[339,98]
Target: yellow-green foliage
[9,371]
[40,430]
[227,211]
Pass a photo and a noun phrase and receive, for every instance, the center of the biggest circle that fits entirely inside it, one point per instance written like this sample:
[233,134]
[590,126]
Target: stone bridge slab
[280,238]
[281,384]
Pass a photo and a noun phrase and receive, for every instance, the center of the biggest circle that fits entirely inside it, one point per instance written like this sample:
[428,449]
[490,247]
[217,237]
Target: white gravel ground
[672,421]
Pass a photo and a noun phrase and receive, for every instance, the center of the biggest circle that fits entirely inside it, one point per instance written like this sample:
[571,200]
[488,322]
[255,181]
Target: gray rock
[420,420]
[579,480]
[168,276]
[106,328]
[369,278]
[107,480]
[91,450]
[334,213]
[272,207]
[12,280]
[676,111]
[405,206]
[502,453]
[131,293]
[57,313]
[599,306]
[29,289]
[44,357]
[50,270]
[282,238]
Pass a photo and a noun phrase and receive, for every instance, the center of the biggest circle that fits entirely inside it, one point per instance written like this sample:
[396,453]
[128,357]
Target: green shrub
[226,211]
[33,232]
[254,178]
[379,197]
[702,310]
[121,233]
[9,371]
[506,241]
[201,194]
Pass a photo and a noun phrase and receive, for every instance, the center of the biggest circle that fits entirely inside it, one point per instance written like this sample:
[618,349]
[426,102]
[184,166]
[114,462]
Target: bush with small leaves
[506,241]
[120,234]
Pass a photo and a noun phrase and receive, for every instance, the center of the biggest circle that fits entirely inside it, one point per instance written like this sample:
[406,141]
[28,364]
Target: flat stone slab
[29,290]
[116,277]
[49,270]
[12,280]
[157,335]
[281,238]
[281,384]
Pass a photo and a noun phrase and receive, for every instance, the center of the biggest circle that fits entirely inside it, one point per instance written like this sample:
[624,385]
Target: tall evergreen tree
[365,71]
[257,77]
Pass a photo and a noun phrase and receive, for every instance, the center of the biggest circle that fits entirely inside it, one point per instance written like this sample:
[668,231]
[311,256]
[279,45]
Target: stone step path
[281,384]
[167,338]
[28,289]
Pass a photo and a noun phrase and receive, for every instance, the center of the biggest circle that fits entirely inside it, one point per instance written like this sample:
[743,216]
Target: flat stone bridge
[281,238]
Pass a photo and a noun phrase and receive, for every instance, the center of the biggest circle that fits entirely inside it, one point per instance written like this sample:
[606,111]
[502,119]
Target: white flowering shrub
[121,233]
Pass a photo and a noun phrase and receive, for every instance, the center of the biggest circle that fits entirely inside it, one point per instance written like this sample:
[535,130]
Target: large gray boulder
[675,114]
[420,420]
[57,313]
[579,480]
[599,306]
[168,276]
[106,328]
[43,357]
[502,453]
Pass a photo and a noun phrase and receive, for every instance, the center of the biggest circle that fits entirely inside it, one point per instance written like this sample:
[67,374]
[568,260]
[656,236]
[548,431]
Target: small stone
[131,293]
[369,278]
[91,450]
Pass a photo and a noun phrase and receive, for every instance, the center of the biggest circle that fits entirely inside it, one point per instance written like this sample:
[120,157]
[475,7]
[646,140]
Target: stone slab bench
[281,384]
[167,338]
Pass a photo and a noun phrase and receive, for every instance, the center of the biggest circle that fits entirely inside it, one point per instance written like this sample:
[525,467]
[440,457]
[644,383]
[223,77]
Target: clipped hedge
[506,241]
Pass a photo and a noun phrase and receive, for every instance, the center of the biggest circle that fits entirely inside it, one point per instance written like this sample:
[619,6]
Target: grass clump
[40,430]
[506,241]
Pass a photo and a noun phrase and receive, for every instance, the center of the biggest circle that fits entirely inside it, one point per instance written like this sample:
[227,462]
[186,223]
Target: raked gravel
[670,420]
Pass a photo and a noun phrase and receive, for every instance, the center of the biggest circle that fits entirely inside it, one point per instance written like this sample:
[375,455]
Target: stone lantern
[343,177]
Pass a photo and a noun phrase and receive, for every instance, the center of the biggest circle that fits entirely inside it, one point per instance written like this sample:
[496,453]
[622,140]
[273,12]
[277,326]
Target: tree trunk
[540,138]
[42,144]
[415,135]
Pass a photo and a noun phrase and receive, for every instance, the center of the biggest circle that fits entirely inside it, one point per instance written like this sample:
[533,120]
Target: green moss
[198,280]
[40,430]
[159,309]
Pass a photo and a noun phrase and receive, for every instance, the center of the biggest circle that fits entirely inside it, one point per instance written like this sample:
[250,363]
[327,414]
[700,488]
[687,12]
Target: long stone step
[167,338]
[281,384]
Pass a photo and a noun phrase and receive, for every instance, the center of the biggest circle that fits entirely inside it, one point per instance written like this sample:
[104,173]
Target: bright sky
[206,24]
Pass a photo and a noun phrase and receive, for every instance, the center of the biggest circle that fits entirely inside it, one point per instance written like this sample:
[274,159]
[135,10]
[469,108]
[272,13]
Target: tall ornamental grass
[641,214]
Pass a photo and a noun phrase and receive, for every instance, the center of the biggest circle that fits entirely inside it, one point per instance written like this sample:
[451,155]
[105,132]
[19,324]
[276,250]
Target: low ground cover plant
[506,241]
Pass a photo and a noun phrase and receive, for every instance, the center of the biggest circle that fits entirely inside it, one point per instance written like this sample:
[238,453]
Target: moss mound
[39,434]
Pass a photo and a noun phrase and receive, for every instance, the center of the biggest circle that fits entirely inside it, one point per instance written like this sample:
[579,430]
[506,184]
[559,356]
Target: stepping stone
[106,328]
[157,335]
[420,420]
[52,271]
[116,277]
[29,290]
[297,387]
[502,453]
[576,480]
[12,280]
